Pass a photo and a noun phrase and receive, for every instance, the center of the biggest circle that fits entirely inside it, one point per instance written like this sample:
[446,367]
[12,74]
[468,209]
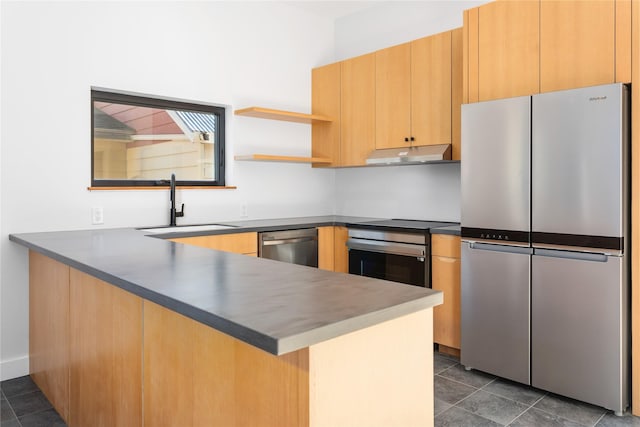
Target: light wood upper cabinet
[402,96]
[508,49]
[456,92]
[577,44]
[393,96]
[414,92]
[345,90]
[358,110]
[445,277]
[519,48]
[241,243]
[325,100]
[431,96]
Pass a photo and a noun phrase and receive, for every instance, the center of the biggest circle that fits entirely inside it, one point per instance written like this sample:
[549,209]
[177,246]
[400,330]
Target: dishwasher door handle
[287,241]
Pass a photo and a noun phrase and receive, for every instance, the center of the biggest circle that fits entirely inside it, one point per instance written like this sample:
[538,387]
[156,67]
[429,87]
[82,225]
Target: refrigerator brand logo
[597,98]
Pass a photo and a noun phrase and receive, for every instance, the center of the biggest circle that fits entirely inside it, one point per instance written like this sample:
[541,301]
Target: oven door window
[397,268]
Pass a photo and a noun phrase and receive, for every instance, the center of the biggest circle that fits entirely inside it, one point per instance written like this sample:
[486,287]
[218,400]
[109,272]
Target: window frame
[143,100]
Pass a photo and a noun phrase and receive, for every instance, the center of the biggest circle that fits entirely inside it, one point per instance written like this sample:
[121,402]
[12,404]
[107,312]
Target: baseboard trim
[14,368]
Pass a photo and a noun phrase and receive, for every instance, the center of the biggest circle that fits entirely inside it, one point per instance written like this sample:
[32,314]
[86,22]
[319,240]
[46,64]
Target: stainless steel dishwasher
[293,246]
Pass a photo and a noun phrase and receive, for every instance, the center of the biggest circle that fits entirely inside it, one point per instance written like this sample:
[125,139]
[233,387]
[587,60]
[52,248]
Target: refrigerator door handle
[500,248]
[582,256]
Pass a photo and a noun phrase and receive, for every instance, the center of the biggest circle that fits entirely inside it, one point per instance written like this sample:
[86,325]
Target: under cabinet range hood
[410,155]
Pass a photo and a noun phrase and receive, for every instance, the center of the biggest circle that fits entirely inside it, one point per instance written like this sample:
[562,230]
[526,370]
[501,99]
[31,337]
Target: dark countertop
[275,306]
[259,225]
[452,229]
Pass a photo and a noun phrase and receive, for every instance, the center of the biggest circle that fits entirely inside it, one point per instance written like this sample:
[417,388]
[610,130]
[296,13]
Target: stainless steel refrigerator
[545,241]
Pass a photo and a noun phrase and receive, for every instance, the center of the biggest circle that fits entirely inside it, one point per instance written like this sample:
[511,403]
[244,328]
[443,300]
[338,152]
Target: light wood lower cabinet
[197,376]
[332,249]
[326,248]
[105,357]
[85,345]
[105,354]
[445,277]
[49,329]
[341,254]
[240,243]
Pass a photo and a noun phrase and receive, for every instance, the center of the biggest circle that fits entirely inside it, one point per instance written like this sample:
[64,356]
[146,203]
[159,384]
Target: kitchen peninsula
[128,329]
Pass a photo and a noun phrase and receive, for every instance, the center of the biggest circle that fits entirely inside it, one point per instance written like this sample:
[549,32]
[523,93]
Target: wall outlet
[97,215]
[244,210]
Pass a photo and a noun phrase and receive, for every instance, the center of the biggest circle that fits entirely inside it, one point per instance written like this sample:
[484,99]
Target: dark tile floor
[462,399]
[24,405]
[475,399]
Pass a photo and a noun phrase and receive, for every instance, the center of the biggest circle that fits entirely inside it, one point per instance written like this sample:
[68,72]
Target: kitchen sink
[186,228]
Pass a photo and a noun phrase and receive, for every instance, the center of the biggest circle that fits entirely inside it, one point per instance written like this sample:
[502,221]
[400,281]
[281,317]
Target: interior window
[140,140]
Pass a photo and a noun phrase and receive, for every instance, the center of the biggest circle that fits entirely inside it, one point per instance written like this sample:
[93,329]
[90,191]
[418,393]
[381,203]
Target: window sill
[164,187]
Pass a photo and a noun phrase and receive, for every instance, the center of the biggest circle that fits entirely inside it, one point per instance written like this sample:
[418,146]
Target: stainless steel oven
[399,257]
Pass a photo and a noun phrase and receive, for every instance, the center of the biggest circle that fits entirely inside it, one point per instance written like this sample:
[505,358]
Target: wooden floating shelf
[288,116]
[287,159]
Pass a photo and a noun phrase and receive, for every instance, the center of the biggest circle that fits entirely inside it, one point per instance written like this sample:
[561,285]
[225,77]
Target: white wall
[233,53]
[408,192]
[417,192]
[394,22]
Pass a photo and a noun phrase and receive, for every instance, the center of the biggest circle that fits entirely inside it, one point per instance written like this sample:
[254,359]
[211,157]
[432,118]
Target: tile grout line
[483,388]
[599,419]
[15,417]
[526,410]
[473,413]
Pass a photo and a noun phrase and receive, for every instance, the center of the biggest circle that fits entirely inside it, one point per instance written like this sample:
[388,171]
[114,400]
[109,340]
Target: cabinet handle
[406,140]
[413,139]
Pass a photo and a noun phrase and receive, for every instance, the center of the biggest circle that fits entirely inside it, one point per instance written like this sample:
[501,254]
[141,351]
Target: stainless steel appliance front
[577,231]
[496,176]
[579,326]
[293,246]
[496,258]
[495,309]
[398,257]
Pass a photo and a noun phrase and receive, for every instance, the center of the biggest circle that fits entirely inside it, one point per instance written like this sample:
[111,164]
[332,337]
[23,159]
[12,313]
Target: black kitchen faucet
[173,214]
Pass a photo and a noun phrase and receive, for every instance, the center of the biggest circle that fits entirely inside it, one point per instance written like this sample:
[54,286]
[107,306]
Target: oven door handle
[287,241]
[393,248]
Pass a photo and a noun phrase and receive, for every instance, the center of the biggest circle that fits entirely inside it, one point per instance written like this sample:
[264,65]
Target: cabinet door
[240,243]
[445,277]
[326,243]
[456,92]
[325,100]
[358,111]
[508,49]
[49,335]
[341,253]
[431,90]
[393,96]
[105,353]
[446,317]
[333,254]
[577,44]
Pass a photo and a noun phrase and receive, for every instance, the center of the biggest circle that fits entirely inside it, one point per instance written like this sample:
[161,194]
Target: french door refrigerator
[545,249]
